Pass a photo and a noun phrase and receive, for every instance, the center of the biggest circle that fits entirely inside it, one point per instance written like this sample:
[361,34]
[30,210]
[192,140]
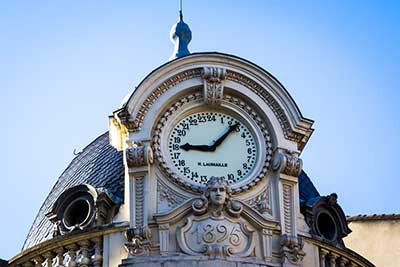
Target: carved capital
[213,87]
[292,249]
[138,156]
[287,162]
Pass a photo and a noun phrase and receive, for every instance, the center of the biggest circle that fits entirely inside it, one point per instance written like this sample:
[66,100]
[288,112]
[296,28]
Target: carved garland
[198,96]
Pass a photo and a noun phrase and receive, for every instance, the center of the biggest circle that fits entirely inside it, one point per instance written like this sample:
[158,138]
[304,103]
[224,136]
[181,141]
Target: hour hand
[188,147]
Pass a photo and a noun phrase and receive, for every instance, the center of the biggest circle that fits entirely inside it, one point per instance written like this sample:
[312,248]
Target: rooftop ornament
[181,36]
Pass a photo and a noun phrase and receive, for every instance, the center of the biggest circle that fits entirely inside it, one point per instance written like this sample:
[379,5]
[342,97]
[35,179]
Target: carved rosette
[138,156]
[287,163]
[292,249]
[213,84]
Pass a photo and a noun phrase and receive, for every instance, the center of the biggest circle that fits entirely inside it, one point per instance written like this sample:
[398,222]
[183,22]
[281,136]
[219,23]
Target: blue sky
[66,65]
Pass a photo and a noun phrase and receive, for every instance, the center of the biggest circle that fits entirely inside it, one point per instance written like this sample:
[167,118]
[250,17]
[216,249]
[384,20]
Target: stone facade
[381,247]
[176,215]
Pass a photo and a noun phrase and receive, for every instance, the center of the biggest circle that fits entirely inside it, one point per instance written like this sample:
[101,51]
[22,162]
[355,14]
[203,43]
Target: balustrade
[79,249]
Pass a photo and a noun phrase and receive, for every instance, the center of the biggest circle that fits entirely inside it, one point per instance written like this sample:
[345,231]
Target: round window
[326,226]
[76,213]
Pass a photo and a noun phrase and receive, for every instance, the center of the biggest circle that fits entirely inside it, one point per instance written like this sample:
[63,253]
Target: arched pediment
[169,81]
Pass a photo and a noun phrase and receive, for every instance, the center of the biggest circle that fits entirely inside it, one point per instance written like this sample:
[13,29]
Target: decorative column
[72,249]
[84,248]
[289,167]
[138,160]
[60,257]
[213,84]
[332,259]
[322,257]
[97,258]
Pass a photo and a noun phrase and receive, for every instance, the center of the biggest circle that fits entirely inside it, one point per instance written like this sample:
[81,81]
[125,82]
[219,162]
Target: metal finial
[180,36]
[180,10]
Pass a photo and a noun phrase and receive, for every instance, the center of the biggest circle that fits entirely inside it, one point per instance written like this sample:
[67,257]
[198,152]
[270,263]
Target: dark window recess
[326,226]
[76,212]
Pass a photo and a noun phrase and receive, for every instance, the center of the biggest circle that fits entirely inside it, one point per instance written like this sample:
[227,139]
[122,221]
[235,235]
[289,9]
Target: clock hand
[222,138]
[203,148]
[206,148]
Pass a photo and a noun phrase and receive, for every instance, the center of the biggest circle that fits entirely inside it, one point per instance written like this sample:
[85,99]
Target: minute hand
[222,138]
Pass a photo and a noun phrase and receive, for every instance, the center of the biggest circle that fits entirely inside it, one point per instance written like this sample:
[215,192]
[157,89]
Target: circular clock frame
[232,106]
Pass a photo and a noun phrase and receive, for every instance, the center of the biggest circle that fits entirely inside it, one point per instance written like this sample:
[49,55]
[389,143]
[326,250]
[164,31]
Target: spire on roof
[180,35]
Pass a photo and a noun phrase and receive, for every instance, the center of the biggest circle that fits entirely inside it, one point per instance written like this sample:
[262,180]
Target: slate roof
[101,165]
[307,191]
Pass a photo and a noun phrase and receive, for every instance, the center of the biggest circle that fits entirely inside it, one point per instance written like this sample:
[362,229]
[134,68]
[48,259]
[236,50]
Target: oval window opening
[326,226]
[76,213]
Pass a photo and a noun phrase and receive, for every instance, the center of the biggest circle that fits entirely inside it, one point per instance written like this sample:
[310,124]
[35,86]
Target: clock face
[206,144]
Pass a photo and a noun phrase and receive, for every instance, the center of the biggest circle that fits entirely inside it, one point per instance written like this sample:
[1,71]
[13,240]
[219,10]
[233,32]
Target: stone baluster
[39,261]
[60,257]
[343,262]
[72,249]
[352,264]
[322,257]
[332,260]
[97,258]
[49,258]
[85,260]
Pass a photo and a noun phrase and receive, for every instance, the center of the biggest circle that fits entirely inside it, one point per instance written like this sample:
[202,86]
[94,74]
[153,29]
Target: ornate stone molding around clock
[287,162]
[213,86]
[195,97]
[272,103]
[138,156]
[134,124]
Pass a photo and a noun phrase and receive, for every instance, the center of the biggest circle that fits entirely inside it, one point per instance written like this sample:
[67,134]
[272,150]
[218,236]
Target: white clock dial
[206,144]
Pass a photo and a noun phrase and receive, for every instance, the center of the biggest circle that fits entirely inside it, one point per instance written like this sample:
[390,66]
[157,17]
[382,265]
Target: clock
[193,142]
[206,144]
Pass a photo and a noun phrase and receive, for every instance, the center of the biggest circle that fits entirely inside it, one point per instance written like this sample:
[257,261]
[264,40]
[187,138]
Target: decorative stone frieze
[138,156]
[287,163]
[213,84]
[292,249]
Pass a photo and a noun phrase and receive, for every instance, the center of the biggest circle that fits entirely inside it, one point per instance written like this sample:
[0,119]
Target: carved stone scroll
[213,85]
[288,163]
[138,156]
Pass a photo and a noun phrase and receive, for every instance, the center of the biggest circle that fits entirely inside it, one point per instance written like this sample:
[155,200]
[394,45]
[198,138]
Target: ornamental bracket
[213,84]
